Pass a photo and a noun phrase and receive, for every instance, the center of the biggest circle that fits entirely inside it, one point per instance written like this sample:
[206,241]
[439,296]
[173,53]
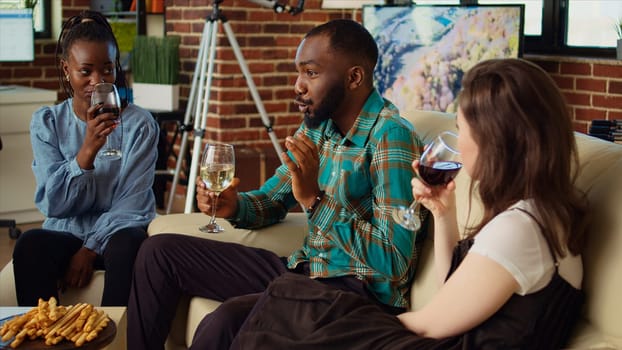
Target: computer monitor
[17,42]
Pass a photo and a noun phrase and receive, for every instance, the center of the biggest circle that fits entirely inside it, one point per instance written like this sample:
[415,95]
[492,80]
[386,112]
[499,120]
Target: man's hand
[304,170]
[80,269]
[227,204]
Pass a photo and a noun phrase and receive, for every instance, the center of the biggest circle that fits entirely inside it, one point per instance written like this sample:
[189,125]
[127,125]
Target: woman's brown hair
[522,126]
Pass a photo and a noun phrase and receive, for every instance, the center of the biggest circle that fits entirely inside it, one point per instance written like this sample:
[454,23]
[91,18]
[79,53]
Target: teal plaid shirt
[365,175]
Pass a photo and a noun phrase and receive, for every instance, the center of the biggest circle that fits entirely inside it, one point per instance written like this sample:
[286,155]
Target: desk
[166,150]
[116,313]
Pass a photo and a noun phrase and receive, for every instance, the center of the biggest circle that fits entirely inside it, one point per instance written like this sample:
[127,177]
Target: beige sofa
[600,176]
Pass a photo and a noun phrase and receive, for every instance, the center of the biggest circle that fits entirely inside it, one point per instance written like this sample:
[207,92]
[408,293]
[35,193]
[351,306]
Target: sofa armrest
[7,286]
[281,238]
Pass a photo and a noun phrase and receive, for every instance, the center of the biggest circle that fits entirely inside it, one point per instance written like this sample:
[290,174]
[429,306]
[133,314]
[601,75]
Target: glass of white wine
[217,170]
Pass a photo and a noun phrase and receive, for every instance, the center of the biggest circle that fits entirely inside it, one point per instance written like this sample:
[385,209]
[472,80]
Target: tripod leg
[200,117]
[252,88]
[199,71]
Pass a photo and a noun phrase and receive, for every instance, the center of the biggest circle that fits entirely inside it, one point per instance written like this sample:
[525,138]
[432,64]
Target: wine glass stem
[412,209]
[214,202]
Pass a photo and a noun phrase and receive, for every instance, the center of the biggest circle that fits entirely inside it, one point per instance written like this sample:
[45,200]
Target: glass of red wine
[107,95]
[439,164]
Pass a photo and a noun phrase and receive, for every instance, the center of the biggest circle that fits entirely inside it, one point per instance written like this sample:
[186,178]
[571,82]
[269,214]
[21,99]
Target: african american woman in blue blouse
[97,210]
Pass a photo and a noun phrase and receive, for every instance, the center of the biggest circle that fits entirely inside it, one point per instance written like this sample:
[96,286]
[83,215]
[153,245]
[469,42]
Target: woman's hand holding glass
[438,166]
[439,200]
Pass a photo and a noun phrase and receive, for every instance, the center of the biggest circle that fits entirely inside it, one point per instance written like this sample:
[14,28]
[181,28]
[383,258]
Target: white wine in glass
[439,164]
[217,171]
[108,96]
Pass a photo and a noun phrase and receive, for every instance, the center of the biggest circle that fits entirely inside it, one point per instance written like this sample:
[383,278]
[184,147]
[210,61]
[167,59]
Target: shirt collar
[359,132]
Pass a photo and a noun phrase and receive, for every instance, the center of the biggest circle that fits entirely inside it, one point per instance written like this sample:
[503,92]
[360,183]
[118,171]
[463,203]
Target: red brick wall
[593,88]
[268,42]
[40,73]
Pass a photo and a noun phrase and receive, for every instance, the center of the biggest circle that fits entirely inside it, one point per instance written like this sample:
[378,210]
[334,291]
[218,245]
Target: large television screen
[17,41]
[426,49]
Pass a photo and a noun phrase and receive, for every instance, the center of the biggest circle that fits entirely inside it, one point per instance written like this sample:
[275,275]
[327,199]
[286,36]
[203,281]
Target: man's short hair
[349,38]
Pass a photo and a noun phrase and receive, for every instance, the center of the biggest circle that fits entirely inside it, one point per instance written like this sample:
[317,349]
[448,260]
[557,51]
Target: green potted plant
[155,72]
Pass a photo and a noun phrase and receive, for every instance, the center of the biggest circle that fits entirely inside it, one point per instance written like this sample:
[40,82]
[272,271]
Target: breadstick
[32,322]
[19,338]
[67,330]
[79,324]
[14,325]
[65,320]
[53,307]
[81,339]
[42,308]
[16,342]
[90,323]
[5,328]
[53,340]
[22,320]
[100,324]
[32,332]
[74,337]
[8,335]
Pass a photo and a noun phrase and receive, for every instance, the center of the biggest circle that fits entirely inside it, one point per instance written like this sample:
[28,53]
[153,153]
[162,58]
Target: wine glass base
[211,228]
[407,219]
[110,154]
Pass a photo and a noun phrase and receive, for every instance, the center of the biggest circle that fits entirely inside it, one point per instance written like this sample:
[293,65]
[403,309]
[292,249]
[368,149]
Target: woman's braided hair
[89,26]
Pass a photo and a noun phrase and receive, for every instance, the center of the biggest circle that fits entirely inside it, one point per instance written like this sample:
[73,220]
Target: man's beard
[326,109]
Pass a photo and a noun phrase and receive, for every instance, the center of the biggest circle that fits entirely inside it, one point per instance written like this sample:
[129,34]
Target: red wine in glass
[438,165]
[440,173]
[107,95]
[107,109]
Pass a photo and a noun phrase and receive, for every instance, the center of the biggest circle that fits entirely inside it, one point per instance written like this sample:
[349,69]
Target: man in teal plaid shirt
[348,165]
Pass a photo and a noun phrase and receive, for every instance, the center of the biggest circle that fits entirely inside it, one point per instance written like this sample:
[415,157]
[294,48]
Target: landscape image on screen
[425,50]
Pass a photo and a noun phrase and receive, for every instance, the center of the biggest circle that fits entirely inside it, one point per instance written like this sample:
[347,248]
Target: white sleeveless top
[514,240]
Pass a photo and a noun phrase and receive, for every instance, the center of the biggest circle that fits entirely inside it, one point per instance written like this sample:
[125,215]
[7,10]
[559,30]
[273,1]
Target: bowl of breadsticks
[52,326]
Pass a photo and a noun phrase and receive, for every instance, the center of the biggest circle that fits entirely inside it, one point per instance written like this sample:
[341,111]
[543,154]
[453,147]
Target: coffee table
[116,313]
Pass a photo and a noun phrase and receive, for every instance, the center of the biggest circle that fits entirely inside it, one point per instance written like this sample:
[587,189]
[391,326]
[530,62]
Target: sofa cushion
[282,238]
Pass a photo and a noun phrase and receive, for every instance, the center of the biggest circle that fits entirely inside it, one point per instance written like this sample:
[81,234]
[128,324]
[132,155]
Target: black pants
[41,258]
[169,266]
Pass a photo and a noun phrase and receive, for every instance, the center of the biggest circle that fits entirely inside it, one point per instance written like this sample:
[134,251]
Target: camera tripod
[198,101]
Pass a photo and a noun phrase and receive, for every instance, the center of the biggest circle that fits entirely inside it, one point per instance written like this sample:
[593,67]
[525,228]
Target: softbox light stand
[198,101]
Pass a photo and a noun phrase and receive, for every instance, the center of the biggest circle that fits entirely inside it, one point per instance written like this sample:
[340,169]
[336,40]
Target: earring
[67,77]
